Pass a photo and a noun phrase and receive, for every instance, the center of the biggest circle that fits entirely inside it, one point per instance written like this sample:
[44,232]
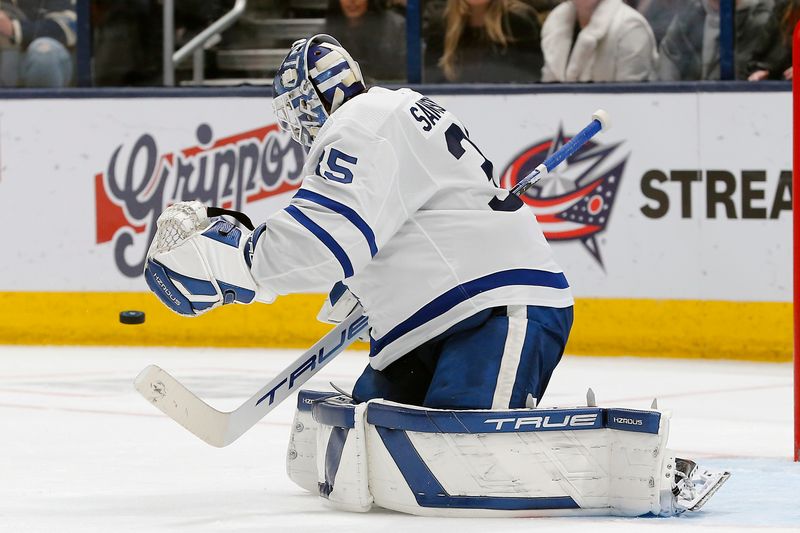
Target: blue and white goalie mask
[314,80]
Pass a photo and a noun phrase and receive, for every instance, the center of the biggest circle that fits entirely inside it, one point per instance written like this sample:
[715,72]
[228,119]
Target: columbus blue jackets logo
[573,202]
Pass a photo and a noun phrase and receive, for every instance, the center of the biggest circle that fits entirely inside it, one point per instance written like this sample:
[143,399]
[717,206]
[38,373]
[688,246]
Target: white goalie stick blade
[220,428]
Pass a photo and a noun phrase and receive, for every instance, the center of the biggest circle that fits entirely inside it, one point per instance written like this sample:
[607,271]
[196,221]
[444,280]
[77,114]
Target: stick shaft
[222,428]
[558,156]
[296,374]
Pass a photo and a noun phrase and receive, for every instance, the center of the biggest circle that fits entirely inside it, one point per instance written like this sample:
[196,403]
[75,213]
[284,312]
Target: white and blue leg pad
[301,457]
[329,457]
[520,462]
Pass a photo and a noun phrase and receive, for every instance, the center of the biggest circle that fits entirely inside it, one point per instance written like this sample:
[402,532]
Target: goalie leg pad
[521,462]
[342,466]
[301,456]
[546,462]
[518,462]
[327,450]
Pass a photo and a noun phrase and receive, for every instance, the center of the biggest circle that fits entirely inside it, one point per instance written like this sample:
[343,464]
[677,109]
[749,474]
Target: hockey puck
[131,317]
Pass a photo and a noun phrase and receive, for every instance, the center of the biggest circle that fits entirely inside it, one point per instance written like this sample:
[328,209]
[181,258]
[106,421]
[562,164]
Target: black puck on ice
[131,317]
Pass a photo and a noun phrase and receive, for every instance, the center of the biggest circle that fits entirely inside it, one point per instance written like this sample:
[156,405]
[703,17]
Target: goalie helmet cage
[796,236]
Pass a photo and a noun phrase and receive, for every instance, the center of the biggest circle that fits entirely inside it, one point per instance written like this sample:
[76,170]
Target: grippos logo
[230,172]
[574,201]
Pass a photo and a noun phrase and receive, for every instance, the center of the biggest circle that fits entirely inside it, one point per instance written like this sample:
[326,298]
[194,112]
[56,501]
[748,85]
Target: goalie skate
[696,485]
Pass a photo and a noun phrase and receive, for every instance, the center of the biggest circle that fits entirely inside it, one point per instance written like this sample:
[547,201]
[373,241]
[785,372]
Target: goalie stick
[220,428]
[600,121]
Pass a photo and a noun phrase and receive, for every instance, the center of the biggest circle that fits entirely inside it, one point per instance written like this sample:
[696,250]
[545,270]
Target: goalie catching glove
[196,263]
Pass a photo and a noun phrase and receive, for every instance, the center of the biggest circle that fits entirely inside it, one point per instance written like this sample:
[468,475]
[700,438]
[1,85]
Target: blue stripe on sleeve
[461,293]
[323,236]
[343,210]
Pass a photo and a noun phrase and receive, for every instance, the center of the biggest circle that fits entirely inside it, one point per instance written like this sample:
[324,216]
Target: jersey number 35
[332,167]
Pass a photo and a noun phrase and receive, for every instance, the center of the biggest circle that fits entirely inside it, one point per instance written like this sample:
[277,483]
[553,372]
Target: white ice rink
[81,451]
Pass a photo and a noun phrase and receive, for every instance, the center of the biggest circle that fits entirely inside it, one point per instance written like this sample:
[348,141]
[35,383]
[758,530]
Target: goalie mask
[314,80]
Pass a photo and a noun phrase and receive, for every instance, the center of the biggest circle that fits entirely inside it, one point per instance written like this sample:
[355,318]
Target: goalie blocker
[520,462]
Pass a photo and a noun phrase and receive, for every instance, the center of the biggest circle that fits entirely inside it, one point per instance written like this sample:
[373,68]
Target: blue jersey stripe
[323,236]
[461,293]
[343,210]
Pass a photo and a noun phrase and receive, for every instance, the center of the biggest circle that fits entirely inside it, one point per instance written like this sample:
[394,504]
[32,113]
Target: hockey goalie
[468,315]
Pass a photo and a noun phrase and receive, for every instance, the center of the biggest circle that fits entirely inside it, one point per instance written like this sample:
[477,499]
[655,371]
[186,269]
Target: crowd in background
[502,41]
[37,43]
[604,40]
[464,41]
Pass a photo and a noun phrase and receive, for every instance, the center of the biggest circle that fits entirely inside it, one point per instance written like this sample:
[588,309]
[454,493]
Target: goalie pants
[492,360]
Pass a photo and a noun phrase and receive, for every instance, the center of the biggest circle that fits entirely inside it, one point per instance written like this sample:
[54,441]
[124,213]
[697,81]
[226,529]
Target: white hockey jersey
[395,203]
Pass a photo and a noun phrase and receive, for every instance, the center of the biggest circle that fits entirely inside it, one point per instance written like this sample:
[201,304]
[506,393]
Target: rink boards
[674,228]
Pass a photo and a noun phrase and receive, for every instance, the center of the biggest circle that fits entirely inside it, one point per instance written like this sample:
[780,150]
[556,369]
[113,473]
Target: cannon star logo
[574,202]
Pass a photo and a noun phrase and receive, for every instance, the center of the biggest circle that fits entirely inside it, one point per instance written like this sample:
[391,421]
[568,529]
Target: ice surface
[81,451]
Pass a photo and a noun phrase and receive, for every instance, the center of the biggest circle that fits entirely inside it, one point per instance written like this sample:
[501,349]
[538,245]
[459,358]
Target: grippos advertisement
[232,172]
[688,196]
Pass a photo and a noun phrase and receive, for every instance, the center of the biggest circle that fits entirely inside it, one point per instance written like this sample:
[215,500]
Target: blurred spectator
[432,13]
[490,41]
[597,40]
[128,37]
[398,6]
[690,49]
[660,14]
[374,36]
[35,39]
[543,6]
[776,61]
[127,42]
